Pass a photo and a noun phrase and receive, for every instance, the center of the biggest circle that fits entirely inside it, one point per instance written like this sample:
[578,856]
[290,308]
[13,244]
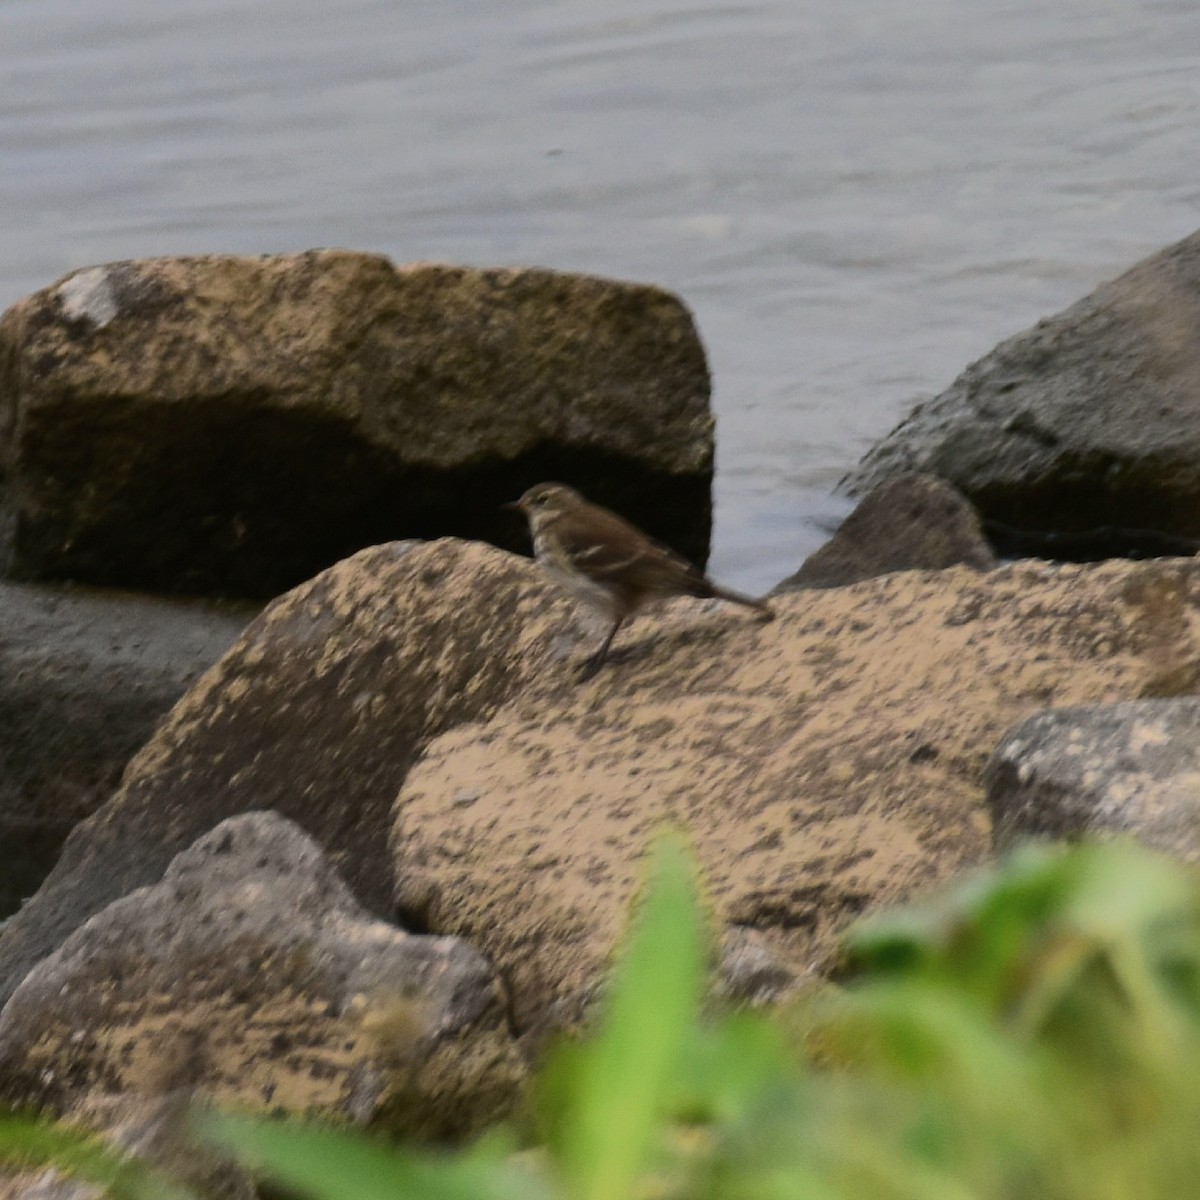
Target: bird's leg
[596,661]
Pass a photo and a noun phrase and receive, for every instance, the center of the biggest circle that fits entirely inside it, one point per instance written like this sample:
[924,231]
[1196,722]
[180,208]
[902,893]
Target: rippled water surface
[855,199]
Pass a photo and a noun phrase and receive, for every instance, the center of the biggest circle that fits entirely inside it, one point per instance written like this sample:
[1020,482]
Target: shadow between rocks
[259,499]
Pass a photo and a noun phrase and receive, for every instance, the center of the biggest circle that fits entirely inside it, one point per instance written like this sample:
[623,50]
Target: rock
[822,764]
[748,972]
[46,1184]
[317,711]
[1086,422]
[915,522]
[154,1130]
[234,425]
[1131,768]
[250,977]
[84,678]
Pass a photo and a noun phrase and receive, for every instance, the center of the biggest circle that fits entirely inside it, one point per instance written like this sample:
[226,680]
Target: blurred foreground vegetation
[1035,1034]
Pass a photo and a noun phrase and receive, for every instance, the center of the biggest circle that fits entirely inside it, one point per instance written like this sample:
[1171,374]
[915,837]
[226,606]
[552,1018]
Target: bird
[607,563]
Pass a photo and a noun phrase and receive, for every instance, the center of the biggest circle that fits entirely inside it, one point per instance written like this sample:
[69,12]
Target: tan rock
[236,424]
[825,763]
[317,711]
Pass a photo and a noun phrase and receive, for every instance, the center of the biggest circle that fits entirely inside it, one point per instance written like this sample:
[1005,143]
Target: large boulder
[249,976]
[822,764]
[1089,423]
[1131,768]
[317,711]
[236,424]
[84,678]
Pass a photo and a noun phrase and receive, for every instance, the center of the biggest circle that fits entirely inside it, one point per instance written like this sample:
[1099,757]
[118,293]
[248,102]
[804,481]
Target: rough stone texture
[153,1129]
[1088,420]
[47,1184]
[84,677]
[317,711]
[823,763]
[1131,768]
[250,976]
[749,972]
[916,522]
[236,424]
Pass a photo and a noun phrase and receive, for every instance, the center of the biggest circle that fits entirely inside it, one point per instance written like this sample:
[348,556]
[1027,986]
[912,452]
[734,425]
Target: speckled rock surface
[912,523]
[824,763]
[1131,768]
[249,976]
[317,711]
[1087,420]
[85,675]
[235,424]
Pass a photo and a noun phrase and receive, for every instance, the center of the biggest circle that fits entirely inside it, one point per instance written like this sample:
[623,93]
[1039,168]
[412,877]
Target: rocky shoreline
[356,853]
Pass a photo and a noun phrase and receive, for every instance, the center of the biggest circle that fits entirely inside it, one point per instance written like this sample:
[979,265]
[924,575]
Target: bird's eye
[541,498]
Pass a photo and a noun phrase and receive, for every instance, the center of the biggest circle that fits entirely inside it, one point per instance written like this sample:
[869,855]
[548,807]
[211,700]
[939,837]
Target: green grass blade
[622,1080]
[28,1142]
[333,1164]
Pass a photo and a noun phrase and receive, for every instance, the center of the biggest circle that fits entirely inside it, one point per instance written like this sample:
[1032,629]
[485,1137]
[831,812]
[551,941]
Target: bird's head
[546,498]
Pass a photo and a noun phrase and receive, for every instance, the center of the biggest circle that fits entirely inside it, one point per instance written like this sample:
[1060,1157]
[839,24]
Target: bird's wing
[609,550]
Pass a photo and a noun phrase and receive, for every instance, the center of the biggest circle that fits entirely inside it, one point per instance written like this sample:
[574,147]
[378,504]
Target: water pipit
[608,564]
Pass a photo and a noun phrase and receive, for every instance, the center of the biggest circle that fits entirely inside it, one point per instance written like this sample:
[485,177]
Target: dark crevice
[238,499]
[28,853]
[1087,545]
[508,1002]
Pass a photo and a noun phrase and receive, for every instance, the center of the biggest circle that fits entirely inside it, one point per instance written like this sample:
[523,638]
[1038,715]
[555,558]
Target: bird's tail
[761,606]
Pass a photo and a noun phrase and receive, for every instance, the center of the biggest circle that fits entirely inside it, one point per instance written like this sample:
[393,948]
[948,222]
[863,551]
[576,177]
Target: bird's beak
[515,505]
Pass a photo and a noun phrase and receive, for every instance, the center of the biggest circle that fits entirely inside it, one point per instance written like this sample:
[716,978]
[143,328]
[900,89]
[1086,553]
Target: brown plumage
[608,563]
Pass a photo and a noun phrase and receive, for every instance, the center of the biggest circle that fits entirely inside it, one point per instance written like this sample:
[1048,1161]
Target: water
[856,199]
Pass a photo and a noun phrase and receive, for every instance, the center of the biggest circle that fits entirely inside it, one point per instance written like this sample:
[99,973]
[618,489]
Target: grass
[1032,1035]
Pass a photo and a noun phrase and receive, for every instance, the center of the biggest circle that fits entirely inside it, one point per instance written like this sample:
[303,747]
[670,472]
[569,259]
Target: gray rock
[234,425]
[915,522]
[1130,768]
[317,711]
[157,1131]
[250,976]
[1086,422]
[46,1184]
[85,676]
[749,971]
